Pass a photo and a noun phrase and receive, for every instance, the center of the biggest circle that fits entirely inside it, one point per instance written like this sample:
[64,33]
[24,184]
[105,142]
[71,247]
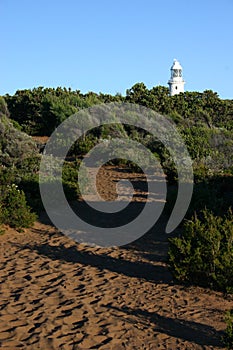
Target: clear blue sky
[107,46]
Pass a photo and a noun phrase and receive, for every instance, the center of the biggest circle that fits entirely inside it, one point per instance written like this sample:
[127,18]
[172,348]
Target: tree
[138,94]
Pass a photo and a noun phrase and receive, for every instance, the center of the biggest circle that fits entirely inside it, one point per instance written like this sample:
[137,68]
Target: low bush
[83,145]
[228,339]
[214,194]
[203,254]
[14,209]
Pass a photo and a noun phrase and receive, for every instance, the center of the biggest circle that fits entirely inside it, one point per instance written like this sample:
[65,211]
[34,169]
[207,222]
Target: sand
[59,294]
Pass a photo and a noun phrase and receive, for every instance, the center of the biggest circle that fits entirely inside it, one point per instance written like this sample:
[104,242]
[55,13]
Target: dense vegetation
[203,255]
[40,110]
[228,338]
[205,122]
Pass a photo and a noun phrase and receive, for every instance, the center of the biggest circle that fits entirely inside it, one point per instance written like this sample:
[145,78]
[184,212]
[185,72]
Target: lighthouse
[176,82]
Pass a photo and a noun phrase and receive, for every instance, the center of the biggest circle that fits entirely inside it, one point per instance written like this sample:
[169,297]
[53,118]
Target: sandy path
[58,294]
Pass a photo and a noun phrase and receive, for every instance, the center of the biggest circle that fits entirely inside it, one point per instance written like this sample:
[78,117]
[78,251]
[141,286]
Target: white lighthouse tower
[176,82]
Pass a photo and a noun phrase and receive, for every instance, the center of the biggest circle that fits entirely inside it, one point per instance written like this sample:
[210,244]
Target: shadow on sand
[187,330]
[142,270]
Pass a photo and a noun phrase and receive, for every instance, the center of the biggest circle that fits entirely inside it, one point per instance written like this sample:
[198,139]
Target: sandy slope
[58,294]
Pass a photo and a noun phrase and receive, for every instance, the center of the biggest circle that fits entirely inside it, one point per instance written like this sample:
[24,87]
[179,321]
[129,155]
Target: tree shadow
[187,330]
[151,247]
[154,244]
[146,271]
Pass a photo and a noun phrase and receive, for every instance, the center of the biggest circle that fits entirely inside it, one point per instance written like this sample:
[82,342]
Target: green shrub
[30,187]
[214,194]
[70,179]
[203,254]
[201,172]
[83,145]
[15,211]
[3,107]
[29,166]
[15,146]
[71,175]
[228,339]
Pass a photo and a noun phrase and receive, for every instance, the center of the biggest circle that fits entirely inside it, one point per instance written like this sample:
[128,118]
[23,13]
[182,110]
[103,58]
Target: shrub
[228,339]
[3,107]
[30,187]
[71,173]
[203,254]
[29,166]
[15,211]
[15,146]
[214,194]
[83,145]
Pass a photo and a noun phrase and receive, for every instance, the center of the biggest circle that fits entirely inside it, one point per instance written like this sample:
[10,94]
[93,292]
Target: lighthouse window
[180,73]
[175,73]
[176,87]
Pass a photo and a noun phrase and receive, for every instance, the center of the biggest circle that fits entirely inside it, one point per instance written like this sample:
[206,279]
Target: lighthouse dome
[176,65]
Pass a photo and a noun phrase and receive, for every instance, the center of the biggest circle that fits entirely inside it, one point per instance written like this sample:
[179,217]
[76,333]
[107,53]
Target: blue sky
[107,46]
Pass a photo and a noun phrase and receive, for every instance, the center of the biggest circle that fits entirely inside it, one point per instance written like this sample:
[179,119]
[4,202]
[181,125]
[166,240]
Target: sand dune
[58,294]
